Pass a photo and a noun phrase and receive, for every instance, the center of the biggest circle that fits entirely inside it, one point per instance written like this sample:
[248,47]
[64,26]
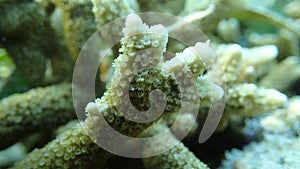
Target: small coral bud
[217,92]
[206,53]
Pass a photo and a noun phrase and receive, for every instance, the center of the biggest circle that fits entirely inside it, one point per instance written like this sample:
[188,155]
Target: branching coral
[79,23]
[281,77]
[40,36]
[242,94]
[71,149]
[142,49]
[107,11]
[177,157]
[38,109]
[279,146]
[108,104]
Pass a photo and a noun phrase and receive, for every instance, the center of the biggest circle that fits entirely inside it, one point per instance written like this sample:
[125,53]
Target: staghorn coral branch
[79,23]
[71,149]
[244,99]
[151,41]
[37,109]
[192,18]
[279,138]
[74,145]
[141,50]
[177,157]
[106,11]
[283,75]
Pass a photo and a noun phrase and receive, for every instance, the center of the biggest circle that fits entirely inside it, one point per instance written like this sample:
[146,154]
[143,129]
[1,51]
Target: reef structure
[261,71]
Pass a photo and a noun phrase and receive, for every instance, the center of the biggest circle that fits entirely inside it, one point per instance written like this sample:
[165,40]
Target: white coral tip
[217,92]
[207,54]
[133,19]
[91,108]
[276,97]
[133,25]
[159,29]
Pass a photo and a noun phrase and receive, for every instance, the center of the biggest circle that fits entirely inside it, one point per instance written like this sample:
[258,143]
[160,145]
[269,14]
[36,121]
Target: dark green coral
[27,36]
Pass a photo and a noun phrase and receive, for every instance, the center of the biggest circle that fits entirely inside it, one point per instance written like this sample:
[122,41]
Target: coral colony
[249,61]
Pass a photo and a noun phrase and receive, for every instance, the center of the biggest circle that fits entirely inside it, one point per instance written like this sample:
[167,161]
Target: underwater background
[257,42]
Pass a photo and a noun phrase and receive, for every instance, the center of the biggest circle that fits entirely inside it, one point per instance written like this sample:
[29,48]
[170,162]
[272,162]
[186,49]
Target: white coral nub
[200,52]
[134,25]
[159,29]
[206,53]
[198,58]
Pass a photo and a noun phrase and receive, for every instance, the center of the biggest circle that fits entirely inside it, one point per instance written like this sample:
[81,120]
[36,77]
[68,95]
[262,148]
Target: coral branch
[71,149]
[177,157]
[35,110]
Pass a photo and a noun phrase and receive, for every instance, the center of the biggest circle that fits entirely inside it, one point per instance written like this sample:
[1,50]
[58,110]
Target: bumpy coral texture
[71,149]
[26,109]
[279,146]
[176,157]
[261,66]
